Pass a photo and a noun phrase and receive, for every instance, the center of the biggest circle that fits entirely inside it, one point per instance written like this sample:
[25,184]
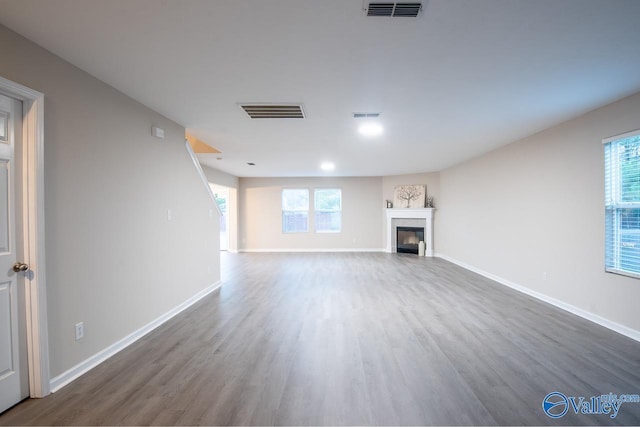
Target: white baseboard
[311,250]
[617,327]
[81,368]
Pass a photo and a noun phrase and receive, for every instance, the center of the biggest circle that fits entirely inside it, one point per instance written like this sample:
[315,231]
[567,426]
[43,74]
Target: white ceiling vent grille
[274,111]
[405,10]
[365,115]
[380,9]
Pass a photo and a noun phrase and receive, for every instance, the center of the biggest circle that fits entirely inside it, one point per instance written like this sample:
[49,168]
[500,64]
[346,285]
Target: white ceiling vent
[365,115]
[393,9]
[274,111]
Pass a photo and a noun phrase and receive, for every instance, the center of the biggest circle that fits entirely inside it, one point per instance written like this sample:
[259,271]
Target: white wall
[430,179]
[218,177]
[114,261]
[261,215]
[536,206]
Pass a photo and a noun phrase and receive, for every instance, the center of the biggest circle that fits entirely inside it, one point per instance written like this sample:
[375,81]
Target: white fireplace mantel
[424,213]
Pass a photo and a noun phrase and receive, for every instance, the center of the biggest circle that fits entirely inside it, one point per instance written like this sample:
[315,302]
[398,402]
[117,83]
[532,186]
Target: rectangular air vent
[365,115]
[410,10]
[380,9]
[274,111]
[406,10]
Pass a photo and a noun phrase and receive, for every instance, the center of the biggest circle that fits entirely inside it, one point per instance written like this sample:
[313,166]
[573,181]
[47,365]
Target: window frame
[284,211]
[613,203]
[316,210]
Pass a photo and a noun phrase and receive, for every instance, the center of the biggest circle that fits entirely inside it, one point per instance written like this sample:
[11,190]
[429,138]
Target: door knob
[20,266]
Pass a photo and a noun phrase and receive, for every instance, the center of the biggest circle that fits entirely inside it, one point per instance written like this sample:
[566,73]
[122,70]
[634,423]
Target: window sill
[622,272]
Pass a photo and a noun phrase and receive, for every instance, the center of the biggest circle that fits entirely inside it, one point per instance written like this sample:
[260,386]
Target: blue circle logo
[555,404]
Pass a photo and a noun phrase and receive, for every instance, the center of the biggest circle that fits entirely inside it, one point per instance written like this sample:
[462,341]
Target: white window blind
[295,210]
[328,210]
[622,204]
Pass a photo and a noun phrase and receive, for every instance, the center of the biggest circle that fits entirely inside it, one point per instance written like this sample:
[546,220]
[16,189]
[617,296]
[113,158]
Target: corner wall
[114,259]
[532,213]
[430,179]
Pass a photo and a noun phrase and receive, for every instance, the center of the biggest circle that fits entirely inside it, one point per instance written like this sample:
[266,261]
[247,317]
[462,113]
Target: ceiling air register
[274,111]
[394,10]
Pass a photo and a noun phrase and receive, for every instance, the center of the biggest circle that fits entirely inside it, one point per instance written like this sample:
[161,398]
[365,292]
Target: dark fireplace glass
[408,239]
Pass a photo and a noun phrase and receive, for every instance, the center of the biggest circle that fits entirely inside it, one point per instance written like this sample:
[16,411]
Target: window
[295,210]
[622,204]
[328,209]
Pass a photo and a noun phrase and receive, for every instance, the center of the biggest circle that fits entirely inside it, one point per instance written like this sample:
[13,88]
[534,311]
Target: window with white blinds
[295,210]
[622,204]
[328,210]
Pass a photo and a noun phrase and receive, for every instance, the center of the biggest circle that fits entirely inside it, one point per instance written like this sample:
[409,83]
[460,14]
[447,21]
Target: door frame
[33,233]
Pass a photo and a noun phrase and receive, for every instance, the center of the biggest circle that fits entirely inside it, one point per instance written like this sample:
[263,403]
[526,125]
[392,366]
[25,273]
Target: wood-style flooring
[352,339]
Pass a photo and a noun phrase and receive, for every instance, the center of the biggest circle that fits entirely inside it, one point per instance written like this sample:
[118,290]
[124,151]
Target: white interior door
[13,364]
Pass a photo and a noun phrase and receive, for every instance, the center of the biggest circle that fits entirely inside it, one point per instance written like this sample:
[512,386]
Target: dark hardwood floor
[352,339]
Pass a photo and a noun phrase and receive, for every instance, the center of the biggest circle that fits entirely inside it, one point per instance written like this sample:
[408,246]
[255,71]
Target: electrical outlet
[544,275]
[169,215]
[79,331]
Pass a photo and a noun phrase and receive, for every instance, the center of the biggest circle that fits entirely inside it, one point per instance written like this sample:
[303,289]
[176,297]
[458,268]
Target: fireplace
[407,239]
[410,218]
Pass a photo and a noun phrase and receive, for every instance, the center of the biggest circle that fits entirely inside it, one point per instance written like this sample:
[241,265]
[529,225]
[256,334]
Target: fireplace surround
[410,218]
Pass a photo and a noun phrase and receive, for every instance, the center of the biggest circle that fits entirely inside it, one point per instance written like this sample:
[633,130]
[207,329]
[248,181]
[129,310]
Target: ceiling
[463,78]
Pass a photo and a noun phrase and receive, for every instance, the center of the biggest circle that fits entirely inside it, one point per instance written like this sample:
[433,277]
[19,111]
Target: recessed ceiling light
[327,166]
[370,129]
